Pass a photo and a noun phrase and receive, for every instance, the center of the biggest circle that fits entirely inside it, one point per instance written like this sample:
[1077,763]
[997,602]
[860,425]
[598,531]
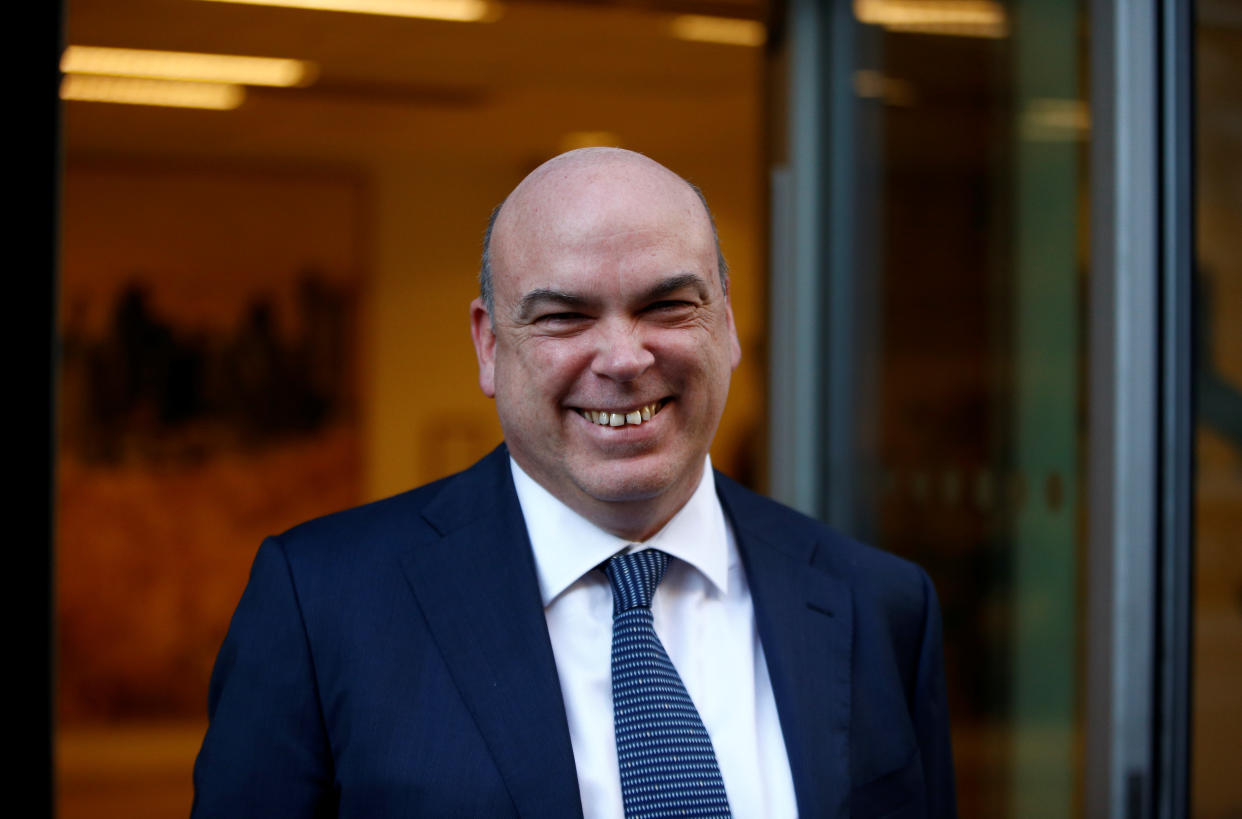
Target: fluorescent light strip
[172,93]
[462,11]
[989,31]
[964,18]
[723,30]
[184,65]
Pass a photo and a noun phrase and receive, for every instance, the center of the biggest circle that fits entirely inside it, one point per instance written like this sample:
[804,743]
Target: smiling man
[609,339]
[590,621]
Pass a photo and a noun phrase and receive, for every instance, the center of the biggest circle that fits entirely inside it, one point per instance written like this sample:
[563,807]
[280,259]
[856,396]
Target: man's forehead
[598,246]
[599,201]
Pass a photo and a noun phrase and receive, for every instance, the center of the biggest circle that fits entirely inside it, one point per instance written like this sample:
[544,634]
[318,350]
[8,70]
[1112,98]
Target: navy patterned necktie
[668,766]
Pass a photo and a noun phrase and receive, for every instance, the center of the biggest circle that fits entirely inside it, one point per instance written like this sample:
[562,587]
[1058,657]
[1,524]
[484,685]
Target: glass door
[939,277]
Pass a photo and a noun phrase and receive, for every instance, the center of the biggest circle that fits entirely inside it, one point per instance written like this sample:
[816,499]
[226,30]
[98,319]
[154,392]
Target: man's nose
[621,353]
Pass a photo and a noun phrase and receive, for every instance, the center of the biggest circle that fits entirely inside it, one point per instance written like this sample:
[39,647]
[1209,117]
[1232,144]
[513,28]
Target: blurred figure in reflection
[128,376]
[589,621]
[1220,402]
[256,364]
[147,389]
[320,353]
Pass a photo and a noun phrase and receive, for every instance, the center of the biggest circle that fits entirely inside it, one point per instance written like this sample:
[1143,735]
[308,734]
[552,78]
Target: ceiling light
[961,18]
[1055,120]
[177,94]
[724,30]
[183,65]
[462,11]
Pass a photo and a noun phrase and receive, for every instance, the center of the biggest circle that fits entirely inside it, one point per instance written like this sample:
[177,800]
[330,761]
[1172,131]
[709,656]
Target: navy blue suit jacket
[393,660]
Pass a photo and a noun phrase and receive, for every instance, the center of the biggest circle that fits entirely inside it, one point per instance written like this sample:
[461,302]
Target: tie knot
[634,578]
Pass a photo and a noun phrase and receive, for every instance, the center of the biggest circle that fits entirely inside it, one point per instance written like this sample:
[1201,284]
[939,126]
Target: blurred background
[270,221]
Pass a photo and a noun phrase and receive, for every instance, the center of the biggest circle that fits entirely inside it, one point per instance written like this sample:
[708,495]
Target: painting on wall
[208,340]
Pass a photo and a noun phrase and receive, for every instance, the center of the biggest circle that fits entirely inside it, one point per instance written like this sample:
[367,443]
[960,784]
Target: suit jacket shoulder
[422,513]
[884,580]
[392,660]
[852,638]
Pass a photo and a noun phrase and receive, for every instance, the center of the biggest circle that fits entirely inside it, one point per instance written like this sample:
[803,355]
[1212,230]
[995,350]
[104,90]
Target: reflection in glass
[971,174]
[1216,788]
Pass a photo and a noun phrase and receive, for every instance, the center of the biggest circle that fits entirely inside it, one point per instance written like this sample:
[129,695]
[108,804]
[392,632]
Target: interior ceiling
[392,86]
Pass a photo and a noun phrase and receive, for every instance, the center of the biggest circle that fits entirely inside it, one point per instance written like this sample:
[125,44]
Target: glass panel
[971,406]
[1216,788]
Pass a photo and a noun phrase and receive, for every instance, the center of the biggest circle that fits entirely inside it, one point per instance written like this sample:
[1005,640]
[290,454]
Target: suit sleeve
[266,751]
[931,713]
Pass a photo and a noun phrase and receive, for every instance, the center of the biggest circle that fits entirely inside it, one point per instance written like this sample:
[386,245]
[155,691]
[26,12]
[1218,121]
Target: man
[460,650]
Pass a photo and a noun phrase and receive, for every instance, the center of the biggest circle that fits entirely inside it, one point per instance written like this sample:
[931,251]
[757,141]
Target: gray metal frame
[797,363]
[1138,590]
[1121,582]
[1177,411]
[1141,444]
[814,354]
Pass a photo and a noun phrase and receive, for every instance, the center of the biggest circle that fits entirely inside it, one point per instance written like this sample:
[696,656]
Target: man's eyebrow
[542,296]
[545,296]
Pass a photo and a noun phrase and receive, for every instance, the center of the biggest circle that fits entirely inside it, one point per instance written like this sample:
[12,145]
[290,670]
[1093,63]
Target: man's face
[612,341]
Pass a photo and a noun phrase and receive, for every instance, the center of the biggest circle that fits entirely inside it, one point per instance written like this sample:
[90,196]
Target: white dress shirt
[704,617]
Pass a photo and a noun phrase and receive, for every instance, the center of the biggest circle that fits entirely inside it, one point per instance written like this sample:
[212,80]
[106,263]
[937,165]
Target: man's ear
[484,346]
[736,351]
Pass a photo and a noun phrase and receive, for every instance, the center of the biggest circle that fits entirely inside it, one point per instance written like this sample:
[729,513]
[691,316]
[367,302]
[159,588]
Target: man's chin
[632,483]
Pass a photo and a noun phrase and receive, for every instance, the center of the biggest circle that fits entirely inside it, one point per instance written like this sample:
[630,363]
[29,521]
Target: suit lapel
[804,616]
[479,594]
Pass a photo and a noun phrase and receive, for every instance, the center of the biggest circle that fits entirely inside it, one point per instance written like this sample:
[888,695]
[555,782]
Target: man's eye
[560,318]
[669,306]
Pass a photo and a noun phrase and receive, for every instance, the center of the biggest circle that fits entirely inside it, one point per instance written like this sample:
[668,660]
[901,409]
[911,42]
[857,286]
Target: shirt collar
[567,546]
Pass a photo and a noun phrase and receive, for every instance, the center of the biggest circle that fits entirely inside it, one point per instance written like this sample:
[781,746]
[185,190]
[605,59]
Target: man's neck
[633,520]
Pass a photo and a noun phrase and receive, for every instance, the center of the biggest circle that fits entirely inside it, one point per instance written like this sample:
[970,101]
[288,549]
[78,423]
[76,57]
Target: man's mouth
[622,418]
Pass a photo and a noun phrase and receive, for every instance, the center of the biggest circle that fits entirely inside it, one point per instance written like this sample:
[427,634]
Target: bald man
[589,621]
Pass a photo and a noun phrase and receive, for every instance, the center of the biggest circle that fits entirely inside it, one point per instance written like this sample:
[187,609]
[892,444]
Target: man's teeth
[620,419]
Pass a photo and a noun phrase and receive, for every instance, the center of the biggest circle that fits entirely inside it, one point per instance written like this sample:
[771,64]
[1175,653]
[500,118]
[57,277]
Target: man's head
[607,297]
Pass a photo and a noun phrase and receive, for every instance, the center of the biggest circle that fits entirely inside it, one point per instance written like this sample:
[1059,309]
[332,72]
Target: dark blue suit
[393,660]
